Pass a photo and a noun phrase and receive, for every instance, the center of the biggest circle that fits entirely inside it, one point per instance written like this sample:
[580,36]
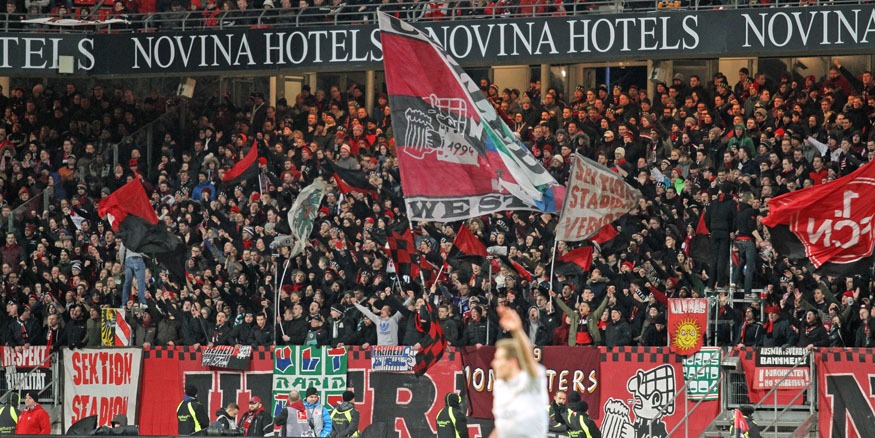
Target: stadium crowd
[706,155]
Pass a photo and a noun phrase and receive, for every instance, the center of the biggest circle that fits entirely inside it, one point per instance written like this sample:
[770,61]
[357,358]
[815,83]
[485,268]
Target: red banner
[687,322]
[166,372]
[568,369]
[640,395]
[846,393]
[766,367]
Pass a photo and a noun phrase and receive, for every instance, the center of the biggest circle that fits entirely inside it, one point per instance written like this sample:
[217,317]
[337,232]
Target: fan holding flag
[131,216]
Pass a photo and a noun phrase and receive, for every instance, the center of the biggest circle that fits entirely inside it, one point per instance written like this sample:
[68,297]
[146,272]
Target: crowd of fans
[707,156]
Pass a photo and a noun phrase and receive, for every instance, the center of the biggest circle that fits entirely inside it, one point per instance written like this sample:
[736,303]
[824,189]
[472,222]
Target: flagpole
[553,262]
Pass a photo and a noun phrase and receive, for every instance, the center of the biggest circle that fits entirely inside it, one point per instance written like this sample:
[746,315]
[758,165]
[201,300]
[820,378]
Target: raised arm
[511,322]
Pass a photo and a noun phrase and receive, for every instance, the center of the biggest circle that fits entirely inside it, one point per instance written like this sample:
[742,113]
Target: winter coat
[34,421]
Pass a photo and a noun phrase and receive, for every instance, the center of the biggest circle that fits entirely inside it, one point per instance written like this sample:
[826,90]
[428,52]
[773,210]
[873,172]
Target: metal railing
[53,385]
[412,11]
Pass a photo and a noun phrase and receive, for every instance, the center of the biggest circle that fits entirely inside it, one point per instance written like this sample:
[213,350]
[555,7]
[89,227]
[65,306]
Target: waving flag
[434,343]
[830,224]
[446,129]
[596,197]
[131,215]
[303,213]
[244,169]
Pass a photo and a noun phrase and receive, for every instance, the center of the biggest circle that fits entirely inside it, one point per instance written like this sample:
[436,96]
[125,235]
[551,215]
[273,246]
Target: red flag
[607,233]
[244,168]
[434,344]
[403,252]
[701,228]
[831,222]
[581,257]
[522,271]
[457,157]
[130,198]
[740,425]
[468,243]
[687,322]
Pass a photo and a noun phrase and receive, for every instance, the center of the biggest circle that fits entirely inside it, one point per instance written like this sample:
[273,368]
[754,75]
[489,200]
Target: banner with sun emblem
[687,321]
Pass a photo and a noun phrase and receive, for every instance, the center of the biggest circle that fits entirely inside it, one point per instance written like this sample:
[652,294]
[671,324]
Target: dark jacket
[813,334]
[720,215]
[345,420]
[220,335]
[778,334]
[746,220]
[260,336]
[9,413]
[188,423]
[482,332]
[259,425]
[451,421]
[618,334]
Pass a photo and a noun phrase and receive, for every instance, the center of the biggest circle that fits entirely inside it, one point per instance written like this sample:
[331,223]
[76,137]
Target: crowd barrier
[645,390]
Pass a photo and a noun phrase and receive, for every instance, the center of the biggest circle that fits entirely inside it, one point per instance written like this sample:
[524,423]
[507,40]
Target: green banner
[701,372]
[299,368]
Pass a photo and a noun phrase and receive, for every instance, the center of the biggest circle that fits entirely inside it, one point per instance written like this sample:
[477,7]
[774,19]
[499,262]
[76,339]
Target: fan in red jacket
[34,420]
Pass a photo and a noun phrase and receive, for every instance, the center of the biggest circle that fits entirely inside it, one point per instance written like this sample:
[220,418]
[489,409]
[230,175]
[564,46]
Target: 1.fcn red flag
[595,197]
[687,322]
[830,224]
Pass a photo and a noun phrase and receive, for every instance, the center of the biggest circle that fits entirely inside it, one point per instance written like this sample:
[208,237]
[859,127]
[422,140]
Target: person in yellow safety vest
[579,423]
[345,417]
[451,421]
[9,413]
[558,411]
[753,430]
[191,415]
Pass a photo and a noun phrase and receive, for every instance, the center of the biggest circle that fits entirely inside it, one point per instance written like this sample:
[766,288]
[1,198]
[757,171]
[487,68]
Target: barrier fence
[648,390]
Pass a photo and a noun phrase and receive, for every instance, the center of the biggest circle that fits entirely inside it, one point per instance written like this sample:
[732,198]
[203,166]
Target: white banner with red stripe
[101,382]
[34,356]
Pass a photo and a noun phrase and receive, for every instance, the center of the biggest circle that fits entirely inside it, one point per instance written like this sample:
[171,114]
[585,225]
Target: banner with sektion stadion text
[595,197]
[101,382]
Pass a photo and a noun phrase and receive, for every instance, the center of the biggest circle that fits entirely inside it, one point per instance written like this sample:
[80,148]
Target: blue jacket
[196,191]
[327,426]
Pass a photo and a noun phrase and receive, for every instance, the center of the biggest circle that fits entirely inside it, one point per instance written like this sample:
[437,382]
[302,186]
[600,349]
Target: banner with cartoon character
[446,128]
[687,322]
[643,397]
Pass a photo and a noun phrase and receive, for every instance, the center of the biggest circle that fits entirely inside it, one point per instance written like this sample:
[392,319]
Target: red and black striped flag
[352,181]
[434,343]
[403,253]
[244,169]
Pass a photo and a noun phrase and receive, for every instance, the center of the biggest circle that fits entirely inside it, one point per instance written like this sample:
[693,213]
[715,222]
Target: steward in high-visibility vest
[579,423]
[9,413]
[345,417]
[191,415]
[451,421]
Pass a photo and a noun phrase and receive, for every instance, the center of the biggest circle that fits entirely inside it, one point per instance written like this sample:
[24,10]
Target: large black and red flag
[457,158]
[131,215]
[352,181]
[244,169]
[433,344]
[467,249]
[829,224]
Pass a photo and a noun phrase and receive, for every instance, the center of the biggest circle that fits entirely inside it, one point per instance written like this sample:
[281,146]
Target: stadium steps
[792,424]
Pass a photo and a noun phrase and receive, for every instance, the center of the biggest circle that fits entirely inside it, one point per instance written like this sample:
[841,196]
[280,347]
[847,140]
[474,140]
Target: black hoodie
[451,421]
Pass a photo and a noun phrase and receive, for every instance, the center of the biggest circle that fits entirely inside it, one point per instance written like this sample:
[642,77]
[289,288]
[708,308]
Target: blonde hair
[513,350]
